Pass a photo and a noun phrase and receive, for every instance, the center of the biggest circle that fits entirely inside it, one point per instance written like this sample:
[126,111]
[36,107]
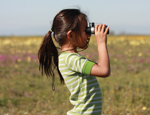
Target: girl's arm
[102,69]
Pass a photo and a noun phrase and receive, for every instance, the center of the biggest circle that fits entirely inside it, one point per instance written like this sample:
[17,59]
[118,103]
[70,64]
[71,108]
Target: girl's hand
[102,68]
[101,33]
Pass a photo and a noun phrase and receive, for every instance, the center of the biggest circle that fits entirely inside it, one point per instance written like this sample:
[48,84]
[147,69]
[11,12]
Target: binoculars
[91,28]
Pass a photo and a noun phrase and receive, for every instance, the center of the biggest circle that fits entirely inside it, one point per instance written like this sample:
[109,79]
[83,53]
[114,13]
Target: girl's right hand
[101,33]
[102,68]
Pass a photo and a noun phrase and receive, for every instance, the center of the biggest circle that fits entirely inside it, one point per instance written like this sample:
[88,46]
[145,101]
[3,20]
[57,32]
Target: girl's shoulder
[70,57]
[66,54]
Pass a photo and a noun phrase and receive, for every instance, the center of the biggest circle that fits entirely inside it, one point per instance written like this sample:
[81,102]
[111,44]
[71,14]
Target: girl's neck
[68,48]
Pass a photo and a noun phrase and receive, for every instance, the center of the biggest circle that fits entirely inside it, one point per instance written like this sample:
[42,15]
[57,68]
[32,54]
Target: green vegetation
[24,91]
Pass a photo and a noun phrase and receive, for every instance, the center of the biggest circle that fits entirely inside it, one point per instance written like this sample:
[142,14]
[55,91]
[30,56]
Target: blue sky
[34,17]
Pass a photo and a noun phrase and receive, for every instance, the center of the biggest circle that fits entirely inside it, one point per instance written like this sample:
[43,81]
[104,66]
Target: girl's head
[68,23]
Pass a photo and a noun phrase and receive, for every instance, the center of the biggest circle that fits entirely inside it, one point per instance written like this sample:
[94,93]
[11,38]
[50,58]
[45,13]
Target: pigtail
[48,57]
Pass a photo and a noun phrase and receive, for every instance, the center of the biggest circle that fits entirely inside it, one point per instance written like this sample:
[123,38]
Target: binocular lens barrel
[91,29]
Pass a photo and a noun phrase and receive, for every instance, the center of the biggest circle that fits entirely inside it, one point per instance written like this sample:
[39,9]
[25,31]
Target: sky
[34,17]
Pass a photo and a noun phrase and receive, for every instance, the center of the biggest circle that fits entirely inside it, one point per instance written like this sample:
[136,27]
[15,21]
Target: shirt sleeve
[87,67]
[78,63]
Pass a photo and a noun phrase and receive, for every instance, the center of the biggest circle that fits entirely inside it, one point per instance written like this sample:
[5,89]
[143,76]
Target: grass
[23,91]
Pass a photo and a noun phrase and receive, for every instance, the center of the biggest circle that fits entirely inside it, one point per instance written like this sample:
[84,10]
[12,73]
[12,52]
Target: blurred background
[23,24]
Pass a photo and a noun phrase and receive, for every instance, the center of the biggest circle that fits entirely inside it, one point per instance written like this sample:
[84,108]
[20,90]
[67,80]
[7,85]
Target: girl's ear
[70,34]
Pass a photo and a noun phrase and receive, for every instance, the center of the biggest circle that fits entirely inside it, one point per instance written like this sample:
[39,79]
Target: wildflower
[115,59]
[130,50]
[144,108]
[126,52]
[29,59]
[25,113]
[19,60]
[16,66]
[140,54]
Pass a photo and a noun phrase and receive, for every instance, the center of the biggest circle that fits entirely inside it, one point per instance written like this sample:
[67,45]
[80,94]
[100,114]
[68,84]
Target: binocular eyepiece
[91,28]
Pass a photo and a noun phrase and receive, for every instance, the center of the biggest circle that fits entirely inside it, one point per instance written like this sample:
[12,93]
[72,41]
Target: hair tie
[52,33]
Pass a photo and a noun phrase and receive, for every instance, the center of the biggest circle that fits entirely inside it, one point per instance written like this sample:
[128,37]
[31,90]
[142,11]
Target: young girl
[77,72]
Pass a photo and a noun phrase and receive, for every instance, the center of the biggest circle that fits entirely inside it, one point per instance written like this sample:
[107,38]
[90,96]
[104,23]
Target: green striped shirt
[85,91]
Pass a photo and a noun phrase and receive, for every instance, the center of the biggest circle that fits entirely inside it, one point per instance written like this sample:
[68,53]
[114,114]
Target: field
[24,91]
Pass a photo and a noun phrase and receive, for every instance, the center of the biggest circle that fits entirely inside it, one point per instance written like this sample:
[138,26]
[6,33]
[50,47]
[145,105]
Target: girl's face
[81,40]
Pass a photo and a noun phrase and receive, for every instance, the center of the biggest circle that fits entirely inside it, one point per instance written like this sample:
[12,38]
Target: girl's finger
[96,28]
[103,27]
[100,27]
[106,29]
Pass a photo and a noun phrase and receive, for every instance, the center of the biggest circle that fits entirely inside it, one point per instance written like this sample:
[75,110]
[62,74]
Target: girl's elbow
[105,74]
[108,73]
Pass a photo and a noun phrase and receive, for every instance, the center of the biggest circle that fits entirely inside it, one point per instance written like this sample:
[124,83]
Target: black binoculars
[91,28]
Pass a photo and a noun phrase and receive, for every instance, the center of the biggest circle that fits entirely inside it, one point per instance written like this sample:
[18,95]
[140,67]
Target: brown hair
[65,20]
